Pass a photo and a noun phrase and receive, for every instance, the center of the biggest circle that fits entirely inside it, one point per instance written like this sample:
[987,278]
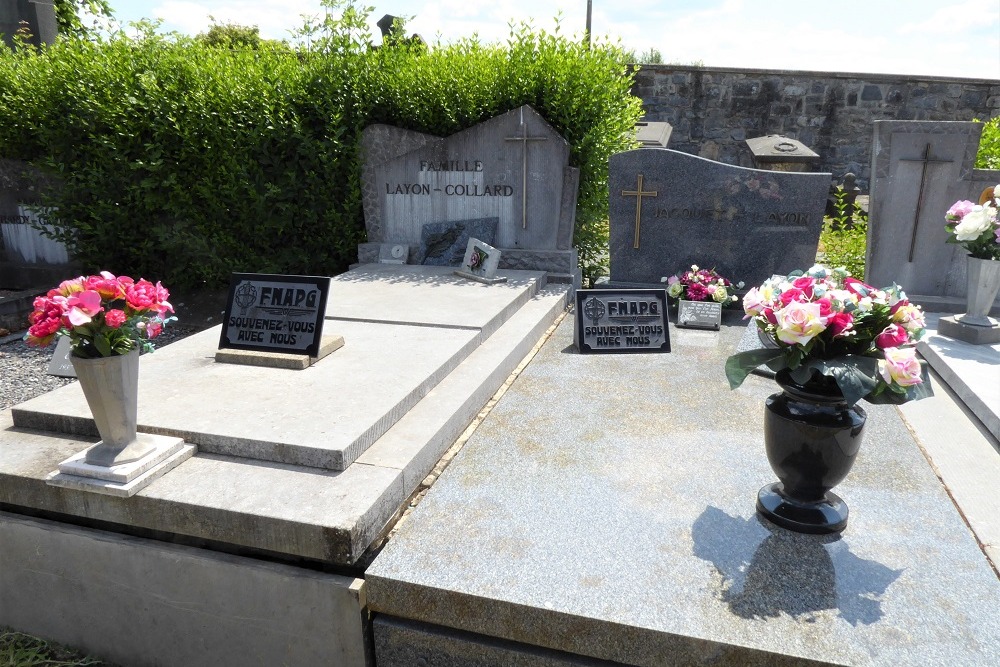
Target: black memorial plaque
[275,313]
[622,321]
[699,314]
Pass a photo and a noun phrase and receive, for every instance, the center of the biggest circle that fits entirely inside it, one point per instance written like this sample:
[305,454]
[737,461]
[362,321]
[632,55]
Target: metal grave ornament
[275,313]
[480,263]
[621,321]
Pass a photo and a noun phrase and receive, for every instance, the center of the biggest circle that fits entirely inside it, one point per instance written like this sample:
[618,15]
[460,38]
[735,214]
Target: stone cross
[924,160]
[524,138]
[638,193]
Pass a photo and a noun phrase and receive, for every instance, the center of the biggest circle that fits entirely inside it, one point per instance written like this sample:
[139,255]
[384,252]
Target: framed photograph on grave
[621,321]
[699,314]
[275,313]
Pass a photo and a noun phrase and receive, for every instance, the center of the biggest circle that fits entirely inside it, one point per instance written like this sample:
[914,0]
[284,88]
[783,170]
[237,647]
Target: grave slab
[405,327]
[622,528]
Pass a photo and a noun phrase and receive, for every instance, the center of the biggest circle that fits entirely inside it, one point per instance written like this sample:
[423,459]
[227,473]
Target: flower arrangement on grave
[976,227]
[104,315]
[827,323]
[698,284]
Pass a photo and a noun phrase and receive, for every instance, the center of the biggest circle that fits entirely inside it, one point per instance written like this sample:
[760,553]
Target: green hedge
[183,161]
[988,156]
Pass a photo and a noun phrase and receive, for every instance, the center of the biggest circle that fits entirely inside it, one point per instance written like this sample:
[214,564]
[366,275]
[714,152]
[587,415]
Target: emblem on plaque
[477,258]
[246,296]
[595,310]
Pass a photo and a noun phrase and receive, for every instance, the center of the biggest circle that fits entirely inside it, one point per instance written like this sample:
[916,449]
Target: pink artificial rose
[798,323]
[792,294]
[900,366]
[673,280]
[840,323]
[153,328]
[909,317]
[959,210]
[115,318]
[82,306]
[144,295]
[805,283]
[68,287]
[753,302]
[892,336]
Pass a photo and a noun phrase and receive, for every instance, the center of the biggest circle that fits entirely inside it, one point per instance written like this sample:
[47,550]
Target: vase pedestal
[954,327]
[164,453]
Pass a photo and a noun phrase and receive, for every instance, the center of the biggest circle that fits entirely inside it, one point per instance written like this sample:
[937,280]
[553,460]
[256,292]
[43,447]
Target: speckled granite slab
[605,509]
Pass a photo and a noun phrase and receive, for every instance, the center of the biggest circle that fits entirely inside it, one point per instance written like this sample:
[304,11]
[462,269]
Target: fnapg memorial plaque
[274,313]
[621,321]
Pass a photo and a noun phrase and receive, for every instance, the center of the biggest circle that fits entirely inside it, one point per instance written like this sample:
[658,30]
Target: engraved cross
[524,138]
[638,193]
[925,160]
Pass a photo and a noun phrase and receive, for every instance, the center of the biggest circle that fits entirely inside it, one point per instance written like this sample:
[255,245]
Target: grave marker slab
[670,210]
[480,263]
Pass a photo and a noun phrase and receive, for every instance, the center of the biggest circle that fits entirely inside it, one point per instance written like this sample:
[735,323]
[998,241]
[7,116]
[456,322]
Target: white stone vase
[111,386]
[983,284]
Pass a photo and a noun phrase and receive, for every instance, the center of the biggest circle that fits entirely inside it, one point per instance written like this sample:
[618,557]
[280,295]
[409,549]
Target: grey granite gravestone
[514,167]
[919,169]
[669,210]
[38,17]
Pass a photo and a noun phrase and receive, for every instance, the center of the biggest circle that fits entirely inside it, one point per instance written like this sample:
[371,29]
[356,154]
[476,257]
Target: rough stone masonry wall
[714,111]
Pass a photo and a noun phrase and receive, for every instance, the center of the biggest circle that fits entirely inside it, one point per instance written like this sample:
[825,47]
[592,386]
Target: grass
[20,650]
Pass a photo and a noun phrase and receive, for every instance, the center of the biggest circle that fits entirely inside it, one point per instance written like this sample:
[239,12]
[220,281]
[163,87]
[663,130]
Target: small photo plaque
[699,314]
[275,313]
[480,263]
[621,321]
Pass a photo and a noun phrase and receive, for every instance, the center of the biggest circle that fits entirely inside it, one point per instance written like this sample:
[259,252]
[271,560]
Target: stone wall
[714,111]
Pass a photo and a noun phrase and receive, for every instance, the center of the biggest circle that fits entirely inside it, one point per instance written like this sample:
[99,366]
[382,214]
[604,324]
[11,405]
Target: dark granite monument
[669,210]
[37,17]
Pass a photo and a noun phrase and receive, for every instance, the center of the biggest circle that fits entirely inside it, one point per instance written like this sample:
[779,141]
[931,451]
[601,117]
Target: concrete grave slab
[670,210]
[623,529]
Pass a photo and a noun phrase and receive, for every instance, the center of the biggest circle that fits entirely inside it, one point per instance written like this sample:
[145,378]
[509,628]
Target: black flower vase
[812,438]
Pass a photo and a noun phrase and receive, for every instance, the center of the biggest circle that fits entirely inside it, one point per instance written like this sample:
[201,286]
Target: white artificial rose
[973,224]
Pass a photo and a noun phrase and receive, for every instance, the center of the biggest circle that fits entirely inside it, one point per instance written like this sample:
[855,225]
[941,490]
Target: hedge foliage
[988,156]
[183,161]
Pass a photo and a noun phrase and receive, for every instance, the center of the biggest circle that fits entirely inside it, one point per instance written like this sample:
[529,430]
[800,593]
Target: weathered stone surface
[444,243]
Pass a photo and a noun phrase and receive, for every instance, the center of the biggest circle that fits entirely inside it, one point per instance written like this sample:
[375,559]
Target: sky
[932,38]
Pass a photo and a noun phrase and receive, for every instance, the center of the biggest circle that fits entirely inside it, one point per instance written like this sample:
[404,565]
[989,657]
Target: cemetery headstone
[621,321]
[480,263]
[37,17]
[919,169]
[274,314]
[513,168]
[670,210]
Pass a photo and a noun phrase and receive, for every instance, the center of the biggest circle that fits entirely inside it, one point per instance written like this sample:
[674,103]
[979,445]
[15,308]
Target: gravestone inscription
[699,314]
[275,313]
[513,169]
[621,321]
[670,210]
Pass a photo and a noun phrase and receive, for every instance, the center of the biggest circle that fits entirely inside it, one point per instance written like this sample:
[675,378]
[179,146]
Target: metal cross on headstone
[925,159]
[638,193]
[524,167]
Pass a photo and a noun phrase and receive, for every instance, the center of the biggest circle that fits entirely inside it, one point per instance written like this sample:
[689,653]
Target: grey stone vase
[983,284]
[111,387]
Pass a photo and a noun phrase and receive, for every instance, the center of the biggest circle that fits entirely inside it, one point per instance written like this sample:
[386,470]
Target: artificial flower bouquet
[103,315]
[824,321]
[976,227]
[701,285]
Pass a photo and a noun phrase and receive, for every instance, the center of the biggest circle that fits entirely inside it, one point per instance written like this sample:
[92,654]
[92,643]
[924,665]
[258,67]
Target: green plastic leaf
[740,365]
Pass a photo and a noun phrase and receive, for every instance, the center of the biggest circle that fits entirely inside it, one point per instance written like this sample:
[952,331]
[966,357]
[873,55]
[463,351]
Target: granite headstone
[513,168]
[669,210]
[919,169]
[37,17]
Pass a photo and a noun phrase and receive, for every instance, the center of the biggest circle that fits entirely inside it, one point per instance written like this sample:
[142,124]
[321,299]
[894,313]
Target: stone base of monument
[296,475]
[480,279]
[296,362]
[127,479]
[953,327]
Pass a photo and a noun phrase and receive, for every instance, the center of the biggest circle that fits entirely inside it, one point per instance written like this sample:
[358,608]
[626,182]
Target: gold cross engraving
[638,193]
[925,160]
[524,169]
